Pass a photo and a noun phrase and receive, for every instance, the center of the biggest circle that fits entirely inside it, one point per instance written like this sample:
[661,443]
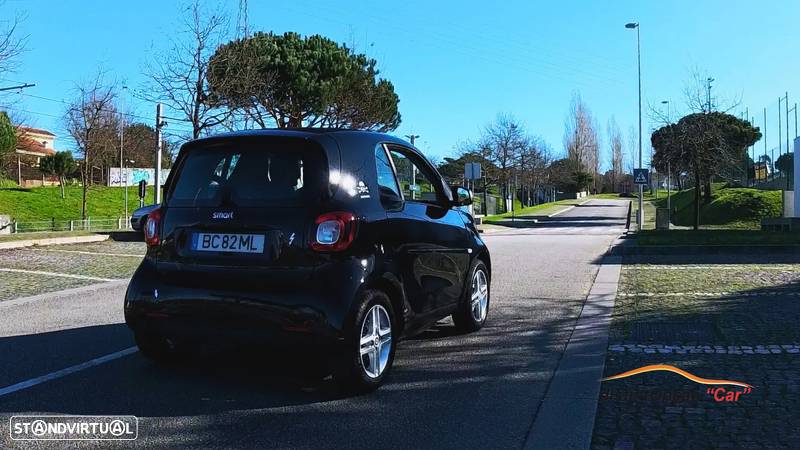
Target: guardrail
[88,224]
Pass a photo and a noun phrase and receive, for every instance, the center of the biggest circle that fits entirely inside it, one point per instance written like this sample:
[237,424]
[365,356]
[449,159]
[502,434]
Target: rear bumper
[311,314]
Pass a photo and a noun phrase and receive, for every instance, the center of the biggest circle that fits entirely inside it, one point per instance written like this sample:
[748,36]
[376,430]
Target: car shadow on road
[440,371]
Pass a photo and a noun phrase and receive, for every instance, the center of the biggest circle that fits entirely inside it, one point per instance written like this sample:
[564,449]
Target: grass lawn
[538,210]
[45,203]
[730,208]
[649,214]
[733,217]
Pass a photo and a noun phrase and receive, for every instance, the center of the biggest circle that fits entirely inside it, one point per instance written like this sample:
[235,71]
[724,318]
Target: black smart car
[340,242]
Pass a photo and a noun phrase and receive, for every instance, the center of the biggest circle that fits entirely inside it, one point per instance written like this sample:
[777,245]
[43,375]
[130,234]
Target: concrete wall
[5,224]
[571,195]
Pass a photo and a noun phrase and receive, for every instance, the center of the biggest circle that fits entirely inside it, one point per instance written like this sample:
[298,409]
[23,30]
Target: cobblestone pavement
[717,318]
[63,265]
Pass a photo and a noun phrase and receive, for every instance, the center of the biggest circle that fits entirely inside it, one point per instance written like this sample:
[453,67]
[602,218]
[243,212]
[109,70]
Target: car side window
[387,183]
[414,183]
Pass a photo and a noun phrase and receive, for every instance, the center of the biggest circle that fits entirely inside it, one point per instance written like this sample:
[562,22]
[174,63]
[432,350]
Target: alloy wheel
[376,341]
[480,296]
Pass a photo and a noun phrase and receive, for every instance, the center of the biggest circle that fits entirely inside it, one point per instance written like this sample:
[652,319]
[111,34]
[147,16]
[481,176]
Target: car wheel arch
[394,290]
[486,259]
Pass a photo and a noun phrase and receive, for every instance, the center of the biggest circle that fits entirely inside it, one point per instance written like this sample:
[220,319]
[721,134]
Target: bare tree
[699,97]
[632,150]
[534,157]
[89,118]
[615,143]
[178,77]
[11,44]
[580,137]
[505,147]
[504,138]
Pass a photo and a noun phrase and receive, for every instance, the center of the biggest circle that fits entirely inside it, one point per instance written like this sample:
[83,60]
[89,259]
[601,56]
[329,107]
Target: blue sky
[455,65]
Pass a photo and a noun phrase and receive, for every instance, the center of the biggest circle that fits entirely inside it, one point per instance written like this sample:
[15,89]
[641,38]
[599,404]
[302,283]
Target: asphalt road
[447,391]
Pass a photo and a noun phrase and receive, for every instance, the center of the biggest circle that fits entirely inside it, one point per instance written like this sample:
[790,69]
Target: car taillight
[151,227]
[335,231]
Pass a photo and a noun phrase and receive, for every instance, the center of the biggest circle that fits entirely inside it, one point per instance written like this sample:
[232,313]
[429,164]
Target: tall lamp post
[640,212]
[121,146]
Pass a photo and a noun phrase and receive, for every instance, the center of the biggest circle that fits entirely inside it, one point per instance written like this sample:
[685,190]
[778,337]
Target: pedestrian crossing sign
[641,176]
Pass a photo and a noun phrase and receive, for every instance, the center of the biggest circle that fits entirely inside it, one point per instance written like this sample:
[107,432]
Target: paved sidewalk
[716,317]
[36,270]
[52,241]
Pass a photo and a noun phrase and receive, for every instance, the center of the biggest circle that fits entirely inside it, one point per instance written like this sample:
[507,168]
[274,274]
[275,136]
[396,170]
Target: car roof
[338,134]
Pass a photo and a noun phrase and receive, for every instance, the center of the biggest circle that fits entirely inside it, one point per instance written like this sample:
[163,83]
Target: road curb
[632,249]
[565,419]
[53,241]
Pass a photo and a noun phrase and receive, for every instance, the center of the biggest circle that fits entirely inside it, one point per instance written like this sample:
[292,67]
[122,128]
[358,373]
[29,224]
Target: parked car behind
[139,217]
[336,243]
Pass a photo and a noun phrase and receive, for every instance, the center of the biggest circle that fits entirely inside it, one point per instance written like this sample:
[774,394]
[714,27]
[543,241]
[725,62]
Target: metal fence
[88,224]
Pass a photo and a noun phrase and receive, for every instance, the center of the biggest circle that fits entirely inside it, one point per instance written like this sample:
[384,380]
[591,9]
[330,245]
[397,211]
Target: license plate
[224,242]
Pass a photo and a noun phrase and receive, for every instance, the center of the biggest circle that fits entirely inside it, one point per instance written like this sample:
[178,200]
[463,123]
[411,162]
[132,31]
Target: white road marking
[55,274]
[64,372]
[83,252]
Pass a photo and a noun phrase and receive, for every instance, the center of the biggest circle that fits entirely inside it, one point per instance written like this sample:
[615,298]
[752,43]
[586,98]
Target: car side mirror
[461,196]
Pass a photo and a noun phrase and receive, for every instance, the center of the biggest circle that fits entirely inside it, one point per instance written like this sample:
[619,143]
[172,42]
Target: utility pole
[780,136]
[746,171]
[765,141]
[157,186]
[786,105]
[640,212]
[123,181]
[21,86]
[412,138]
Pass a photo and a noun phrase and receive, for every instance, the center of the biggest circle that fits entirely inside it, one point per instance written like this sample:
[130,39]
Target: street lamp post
[640,212]
[121,146]
[669,172]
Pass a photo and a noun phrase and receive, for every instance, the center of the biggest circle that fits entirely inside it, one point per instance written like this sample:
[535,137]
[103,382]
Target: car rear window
[280,174]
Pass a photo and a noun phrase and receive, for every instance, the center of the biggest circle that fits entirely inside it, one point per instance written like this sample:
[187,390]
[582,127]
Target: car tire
[474,308]
[368,352]
[155,348]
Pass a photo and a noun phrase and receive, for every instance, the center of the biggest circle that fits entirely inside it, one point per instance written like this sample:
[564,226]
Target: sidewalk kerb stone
[566,416]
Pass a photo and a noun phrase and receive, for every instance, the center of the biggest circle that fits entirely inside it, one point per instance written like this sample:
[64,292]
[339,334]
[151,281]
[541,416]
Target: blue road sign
[641,176]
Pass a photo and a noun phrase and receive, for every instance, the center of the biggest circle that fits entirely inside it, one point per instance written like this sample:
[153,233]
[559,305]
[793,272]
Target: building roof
[30,130]
[28,145]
